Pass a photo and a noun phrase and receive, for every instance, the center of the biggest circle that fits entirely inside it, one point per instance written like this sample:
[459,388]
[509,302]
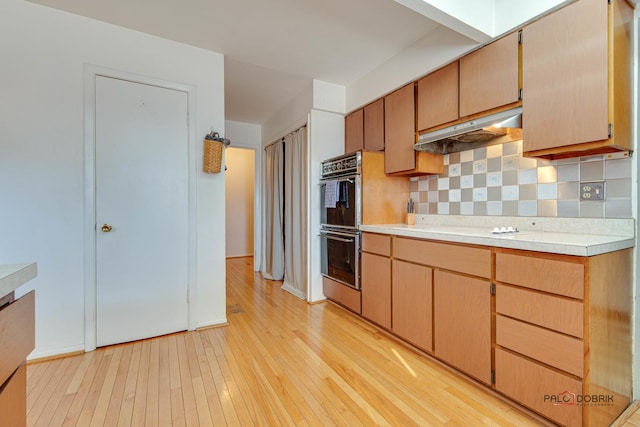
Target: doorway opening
[239,202]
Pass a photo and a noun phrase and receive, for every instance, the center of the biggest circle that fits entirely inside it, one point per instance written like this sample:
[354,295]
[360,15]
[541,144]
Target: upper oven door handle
[339,239]
[349,179]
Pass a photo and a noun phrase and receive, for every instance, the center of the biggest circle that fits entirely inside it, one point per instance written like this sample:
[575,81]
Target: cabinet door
[13,399]
[438,97]
[376,289]
[489,76]
[564,73]
[374,126]
[412,306]
[462,323]
[399,130]
[354,131]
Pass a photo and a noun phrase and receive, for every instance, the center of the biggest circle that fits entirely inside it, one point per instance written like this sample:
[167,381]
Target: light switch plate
[593,190]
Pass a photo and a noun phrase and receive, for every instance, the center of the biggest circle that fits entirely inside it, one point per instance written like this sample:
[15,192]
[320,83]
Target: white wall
[288,118]
[438,48]
[326,137]
[329,97]
[239,189]
[508,11]
[44,52]
[248,135]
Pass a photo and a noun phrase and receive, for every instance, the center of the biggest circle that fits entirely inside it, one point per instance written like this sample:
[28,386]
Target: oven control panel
[349,164]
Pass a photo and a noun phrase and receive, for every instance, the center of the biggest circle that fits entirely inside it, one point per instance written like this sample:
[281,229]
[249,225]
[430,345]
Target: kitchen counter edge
[12,276]
[550,242]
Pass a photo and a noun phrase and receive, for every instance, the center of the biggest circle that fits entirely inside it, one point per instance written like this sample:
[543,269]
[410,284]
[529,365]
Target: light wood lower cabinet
[462,323]
[412,303]
[550,332]
[13,399]
[376,289]
[17,340]
[563,338]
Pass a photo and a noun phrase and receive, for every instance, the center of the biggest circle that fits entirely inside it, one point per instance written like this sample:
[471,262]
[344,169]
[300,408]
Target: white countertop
[532,240]
[12,276]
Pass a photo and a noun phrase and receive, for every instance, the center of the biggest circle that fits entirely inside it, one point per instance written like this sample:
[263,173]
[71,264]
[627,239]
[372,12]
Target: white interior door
[141,210]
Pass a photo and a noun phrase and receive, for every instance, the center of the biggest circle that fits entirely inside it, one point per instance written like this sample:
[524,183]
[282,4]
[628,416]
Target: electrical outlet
[592,190]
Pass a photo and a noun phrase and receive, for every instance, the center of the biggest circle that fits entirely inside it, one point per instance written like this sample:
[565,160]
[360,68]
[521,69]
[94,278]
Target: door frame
[90,279]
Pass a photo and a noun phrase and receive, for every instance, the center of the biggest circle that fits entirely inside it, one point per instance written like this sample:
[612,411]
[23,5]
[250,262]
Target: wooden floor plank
[117,394]
[186,384]
[129,394]
[164,384]
[139,412]
[152,408]
[106,390]
[80,385]
[40,415]
[279,361]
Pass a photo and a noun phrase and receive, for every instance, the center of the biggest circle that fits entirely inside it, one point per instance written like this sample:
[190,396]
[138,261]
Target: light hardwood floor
[280,361]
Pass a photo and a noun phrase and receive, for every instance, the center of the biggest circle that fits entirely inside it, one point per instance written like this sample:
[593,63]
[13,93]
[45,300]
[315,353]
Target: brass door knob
[106,228]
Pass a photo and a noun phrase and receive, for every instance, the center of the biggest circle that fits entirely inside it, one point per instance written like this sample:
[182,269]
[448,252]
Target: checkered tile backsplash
[497,180]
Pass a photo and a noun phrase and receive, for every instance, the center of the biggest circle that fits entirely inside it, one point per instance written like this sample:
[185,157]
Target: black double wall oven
[340,204]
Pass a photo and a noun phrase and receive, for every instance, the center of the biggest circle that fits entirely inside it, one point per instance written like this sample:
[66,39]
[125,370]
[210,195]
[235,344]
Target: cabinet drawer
[17,334]
[539,388]
[342,294]
[13,399]
[551,348]
[462,259]
[376,243]
[555,313]
[549,275]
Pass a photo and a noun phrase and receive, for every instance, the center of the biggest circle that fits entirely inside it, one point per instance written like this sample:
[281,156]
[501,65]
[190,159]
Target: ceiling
[274,48]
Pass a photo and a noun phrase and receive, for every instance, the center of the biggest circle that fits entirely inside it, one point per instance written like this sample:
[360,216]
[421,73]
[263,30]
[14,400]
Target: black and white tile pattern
[497,180]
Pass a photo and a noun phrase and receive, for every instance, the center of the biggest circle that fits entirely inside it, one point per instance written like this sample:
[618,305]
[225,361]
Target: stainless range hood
[474,132]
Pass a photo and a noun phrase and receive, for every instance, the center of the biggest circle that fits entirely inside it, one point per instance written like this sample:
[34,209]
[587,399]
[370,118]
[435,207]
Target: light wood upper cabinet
[577,80]
[438,97]
[489,77]
[399,130]
[399,135]
[462,323]
[374,126]
[354,131]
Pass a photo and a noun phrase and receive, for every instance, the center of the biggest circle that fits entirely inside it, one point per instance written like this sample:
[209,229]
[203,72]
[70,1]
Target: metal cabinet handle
[339,239]
[106,228]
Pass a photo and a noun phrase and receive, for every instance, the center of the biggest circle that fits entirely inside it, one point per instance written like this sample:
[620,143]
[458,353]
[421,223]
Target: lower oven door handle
[339,239]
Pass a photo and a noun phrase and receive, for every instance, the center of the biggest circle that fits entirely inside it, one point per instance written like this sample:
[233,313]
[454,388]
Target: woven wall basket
[212,156]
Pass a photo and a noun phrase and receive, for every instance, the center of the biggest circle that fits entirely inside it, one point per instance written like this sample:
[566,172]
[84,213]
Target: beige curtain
[272,265]
[295,213]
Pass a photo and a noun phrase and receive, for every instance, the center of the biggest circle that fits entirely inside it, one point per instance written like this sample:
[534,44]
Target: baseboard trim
[211,324]
[45,356]
[217,325]
[297,292]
